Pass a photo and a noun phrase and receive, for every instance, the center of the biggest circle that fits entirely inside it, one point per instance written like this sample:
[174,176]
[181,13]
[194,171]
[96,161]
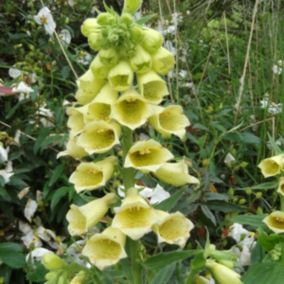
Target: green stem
[128,176]
[191,276]
[282,202]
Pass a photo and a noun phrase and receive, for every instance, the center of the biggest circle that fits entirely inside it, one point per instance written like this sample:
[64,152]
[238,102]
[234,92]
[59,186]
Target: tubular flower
[94,40]
[170,120]
[79,278]
[100,107]
[51,261]
[99,69]
[108,57]
[152,87]
[105,249]
[223,274]
[172,228]
[131,110]
[272,166]
[175,174]
[82,218]
[147,156]
[99,137]
[141,62]
[163,61]
[121,76]
[89,176]
[201,280]
[90,26]
[275,222]
[280,188]
[76,119]
[152,40]
[135,217]
[73,149]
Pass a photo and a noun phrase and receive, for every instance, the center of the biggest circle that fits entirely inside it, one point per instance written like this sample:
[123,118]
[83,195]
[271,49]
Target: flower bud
[147,156]
[79,278]
[223,274]
[163,61]
[99,69]
[90,26]
[105,19]
[82,218]
[152,40]
[121,76]
[53,262]
[272,166]
[94,40]
[152,87]
[275,222]
[141,62]
[105,249]
[108,57]
[89,176]
[132,6]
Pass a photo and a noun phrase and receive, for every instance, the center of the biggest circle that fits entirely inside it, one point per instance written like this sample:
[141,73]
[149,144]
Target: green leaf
[12,255]
[250,138]
[248,219]
[166,258]
[58,195]
[37,274]
[266,185]
[170,203]
[207,212]
[164,275]
[264,273]
[56,174]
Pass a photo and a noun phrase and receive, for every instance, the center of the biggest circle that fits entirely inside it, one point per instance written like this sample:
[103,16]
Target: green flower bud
[127,19]
[105,19]
[89,26]
[109,57]
[99,69]
[52,262]
[94,40]
[152,40]
[141,62]
[163,61]
[131,6]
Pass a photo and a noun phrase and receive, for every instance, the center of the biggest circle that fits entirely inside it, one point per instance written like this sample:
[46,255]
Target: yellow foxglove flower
[272,166]
[89,176]
[94,40]
[76,119]
[100,107]
[82,218]
[135,217]
[73,149]
[90,26]
[170,120]
[163,61]
[121,76]
[152,87]
[105,249]
[141,62]
[280,188]
[99,137]
[132,6]
[223,274]
[152,40]
[51,261]
[108,57]
[201,280]
[99,69]
[79,278]
[131,110]
[175,174]
[147,156]
[275,222]
[172,228]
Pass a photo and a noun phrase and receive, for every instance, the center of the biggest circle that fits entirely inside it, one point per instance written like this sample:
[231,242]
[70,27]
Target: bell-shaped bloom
[90,26]
[163,61]
[172,228]
[132,6]
[105,249]
[73,149]
[79,278]
[275,222]
[280,188]
[99,137]
[121,76]
[141,62]
[82,218]
[272,166]
[152,87]
[75,119]
[51,261]
[147,156]
[152,40]
[131,110]
[89,176]
[99,69]
[109,57]
[222,274]
[175,174]
[201,280]
[170,120]
[100,107]
[135,216]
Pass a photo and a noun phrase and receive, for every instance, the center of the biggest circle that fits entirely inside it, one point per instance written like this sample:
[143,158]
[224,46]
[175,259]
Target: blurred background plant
[231,88]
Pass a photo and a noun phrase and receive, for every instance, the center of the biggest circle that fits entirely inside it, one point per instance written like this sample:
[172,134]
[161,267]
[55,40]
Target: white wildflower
[274,108]
[277,69]
[46,116]
[229,159]
[65,36]
[156,195]
[84,58]
[30,209]
[45,18]
[23,192]
[22,87]
[3,154]
[14,72]
[7,173]
[37,254]
[238,232]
